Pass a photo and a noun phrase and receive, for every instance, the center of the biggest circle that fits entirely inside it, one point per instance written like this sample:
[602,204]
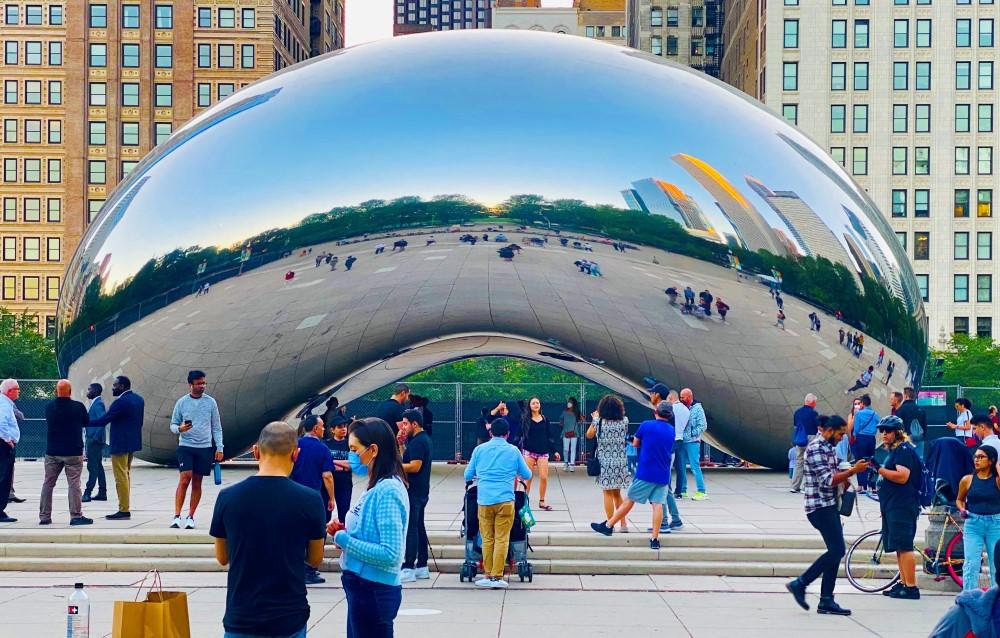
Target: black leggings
[342,499]
[827,521]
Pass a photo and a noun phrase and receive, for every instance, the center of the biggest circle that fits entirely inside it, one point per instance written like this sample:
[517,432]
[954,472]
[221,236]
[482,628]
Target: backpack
[916,429]
[925,487]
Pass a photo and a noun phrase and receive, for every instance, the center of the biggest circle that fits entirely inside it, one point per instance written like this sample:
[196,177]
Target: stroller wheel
[520,573]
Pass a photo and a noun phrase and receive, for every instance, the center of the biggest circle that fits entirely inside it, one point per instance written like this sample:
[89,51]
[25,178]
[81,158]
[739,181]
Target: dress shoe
[7,519]
[119,516]
[46,522]
[81,520]
[830,606]
[101,497]
[798,592]
[15,499]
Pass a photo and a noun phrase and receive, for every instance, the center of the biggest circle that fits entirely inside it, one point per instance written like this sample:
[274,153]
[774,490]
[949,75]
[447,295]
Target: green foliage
[487,378]
[969,361]
[24,353]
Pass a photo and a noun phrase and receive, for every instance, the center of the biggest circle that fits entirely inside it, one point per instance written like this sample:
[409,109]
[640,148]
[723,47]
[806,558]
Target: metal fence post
[458,421]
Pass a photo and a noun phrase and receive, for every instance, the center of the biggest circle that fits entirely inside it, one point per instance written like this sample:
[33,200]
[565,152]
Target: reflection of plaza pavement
[267,344]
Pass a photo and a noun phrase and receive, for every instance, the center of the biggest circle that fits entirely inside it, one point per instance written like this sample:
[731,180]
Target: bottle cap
[78,586]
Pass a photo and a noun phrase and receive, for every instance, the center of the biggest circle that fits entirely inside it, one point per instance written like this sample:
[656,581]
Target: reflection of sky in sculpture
[433,114]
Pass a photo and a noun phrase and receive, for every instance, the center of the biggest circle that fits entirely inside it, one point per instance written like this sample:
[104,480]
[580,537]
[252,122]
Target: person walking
[373,540]
[196,419]
[570,419]
[495,465]
[343,481]
[881,357]
[391,410]
[655,441]
[804,430]
[266,589]
[95,440]
[889,369]
[963,422]
[822,482]
[861,427]
[540,441]
[125,416]
[65,420]
[780,319]
[314,469]
[609,428]
[979,499]
[349,262]
[10,434]
[697,425]
[898,499]
[417,467]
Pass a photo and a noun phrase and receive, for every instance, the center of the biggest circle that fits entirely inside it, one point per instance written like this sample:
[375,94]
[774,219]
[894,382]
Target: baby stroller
[517,553]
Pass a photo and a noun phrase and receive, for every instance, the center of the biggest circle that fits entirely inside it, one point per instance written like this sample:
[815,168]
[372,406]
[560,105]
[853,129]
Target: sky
[369,20]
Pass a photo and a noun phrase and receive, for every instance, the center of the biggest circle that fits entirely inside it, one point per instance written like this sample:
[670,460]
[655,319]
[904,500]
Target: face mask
[357,466]
[569,405]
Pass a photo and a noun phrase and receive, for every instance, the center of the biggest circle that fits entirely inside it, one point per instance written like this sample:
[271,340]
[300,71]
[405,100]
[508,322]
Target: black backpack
[917,430]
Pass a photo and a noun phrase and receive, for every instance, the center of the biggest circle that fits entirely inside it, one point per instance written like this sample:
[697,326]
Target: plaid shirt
[820,464]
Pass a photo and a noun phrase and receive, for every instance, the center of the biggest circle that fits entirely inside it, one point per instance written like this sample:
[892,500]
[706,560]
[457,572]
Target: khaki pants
[54,466]
[495,522]
[121,466]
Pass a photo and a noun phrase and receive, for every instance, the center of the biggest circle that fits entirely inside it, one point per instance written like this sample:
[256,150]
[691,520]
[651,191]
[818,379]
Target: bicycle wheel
[869,568]
[952,560]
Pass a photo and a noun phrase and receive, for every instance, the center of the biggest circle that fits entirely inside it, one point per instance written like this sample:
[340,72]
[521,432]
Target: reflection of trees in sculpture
[817,280]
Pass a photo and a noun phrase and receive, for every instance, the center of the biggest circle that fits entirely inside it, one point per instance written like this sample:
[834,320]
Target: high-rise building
[602,19]
[90,88]
[685,31]
[415,16]
[903,95]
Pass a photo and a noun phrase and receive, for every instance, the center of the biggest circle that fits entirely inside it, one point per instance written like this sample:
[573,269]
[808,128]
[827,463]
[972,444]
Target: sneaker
[177,523]
[664,529]
[676,524]
[422,573]
[485,582]
[682,495]
[188,523]
[654,543]
[101,497]
[795,491]
[7,519]
[830,606]
[313,578]
[81,520]
[699,496]
[572,468]
[602,528]
[86,498]
[45,522]
[892,591]
[798,592]
[907,593]
[498,583]
[407,576]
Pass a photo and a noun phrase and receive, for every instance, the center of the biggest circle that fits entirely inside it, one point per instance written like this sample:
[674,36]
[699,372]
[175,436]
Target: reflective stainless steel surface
[413,136]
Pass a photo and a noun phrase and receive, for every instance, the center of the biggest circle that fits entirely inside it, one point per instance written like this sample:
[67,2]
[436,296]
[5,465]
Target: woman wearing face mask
[569,419]
[539,443]
[373,538]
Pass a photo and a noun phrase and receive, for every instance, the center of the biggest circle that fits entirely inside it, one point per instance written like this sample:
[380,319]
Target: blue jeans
[371,606]
[863,448]
[675,515]
[680,474]
[298,634]
[693,453]
[979,531]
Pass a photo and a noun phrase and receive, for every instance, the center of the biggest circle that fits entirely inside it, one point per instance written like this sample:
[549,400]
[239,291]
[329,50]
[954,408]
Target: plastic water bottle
[217,472]
[78,613]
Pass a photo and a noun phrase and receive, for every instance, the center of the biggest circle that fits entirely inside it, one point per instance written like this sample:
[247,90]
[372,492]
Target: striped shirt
[819,466]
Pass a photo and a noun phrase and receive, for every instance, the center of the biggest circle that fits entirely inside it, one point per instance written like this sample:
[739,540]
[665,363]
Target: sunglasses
[980,456]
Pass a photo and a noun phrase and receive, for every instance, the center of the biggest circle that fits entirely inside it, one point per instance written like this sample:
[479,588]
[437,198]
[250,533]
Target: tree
[970,361]
[24,353]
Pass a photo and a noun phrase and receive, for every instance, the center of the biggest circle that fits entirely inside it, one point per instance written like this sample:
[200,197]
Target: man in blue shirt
[95,437]
[314,469]
[861,430]
[805,422]
[495,465]
[10,434]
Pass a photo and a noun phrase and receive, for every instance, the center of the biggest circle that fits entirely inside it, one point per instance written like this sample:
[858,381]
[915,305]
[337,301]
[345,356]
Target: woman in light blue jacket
[373,537]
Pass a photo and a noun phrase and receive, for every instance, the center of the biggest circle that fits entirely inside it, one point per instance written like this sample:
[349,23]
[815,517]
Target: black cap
[660,389]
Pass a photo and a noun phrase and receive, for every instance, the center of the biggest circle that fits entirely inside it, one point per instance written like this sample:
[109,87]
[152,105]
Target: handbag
[164,614]
[527,516]
[594,463]
[847,502]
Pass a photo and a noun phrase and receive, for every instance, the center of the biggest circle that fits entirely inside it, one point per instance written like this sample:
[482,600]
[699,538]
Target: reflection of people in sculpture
[671,293]
[430,240]
[722,307]
[290,275]
[350,261]
[333,262]
[506,253]
[379,248]
[400,244]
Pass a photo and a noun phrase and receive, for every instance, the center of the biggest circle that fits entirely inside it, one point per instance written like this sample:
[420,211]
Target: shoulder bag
[594,463]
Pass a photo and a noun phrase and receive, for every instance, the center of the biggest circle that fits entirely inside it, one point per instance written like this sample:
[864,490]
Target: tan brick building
[602,19]
[688,32]
[90,87]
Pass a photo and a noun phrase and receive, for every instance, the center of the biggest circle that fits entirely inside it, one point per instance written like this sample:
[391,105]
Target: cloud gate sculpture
[660,175]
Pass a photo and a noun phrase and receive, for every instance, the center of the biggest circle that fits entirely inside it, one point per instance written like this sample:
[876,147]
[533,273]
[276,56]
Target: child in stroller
[517,553]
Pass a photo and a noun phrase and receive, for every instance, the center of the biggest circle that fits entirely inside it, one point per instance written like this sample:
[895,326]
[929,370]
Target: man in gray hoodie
[975,613]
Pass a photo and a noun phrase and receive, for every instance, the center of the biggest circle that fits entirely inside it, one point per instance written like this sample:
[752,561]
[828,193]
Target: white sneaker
[572,468]
[177,523]
[422,573]
[408,576]
[498,583]
[188,523]
[485,583]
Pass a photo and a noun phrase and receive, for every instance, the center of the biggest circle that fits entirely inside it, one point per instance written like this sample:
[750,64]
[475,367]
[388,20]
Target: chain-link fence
[35,394]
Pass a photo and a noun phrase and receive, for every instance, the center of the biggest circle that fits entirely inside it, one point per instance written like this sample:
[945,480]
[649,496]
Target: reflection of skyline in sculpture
[812,235]
[862,262]
[887,272]
[751,228]
[659,197]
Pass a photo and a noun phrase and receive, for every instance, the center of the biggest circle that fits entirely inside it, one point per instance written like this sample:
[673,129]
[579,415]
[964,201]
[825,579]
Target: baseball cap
[659,389]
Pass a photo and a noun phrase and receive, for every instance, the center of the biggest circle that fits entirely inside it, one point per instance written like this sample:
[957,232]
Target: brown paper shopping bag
[164,614]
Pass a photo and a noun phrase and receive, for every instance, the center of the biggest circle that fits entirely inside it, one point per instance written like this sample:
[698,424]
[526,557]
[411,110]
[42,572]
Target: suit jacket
[125,417]
[96,411]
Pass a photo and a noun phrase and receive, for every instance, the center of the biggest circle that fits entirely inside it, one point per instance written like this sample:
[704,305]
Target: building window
[922,119]
[10,131]
[859,157]
[130,16]
[33,53]
[225,90]
[985,75]
[900,34]
[923,33]
[97,172]
[10,248]
[10,209]
[248,18]
[130,56]
[860,118]
[33,15]
[961,202]
[98,17]
[10,169]
[52,249]
[98,94]
[984,325]
[673,17]
[899,160]
[963,32]
[985,118]
[161,131]
[962,118]
[922,286]
[246,56]
[860,34]
[164,56]
[839,37]
[227,18]
[130,94]
[984,246]
[204,56]
[204,94]
[130,134]
[899,202]
[961,160]
[93,208]
[984,288]
[97,133]
[985,32]
[55,53]
[656,45]
[837,117]
[164,95]
[55,170]
[33,171]
[10,55]
[922,160]
[791,113]
[51,294]
[32,209]
[900,74]
[963,76]
[921,203]
[164,16]
[656,17]
[127,168]
[32,131]
[9,281]
[961,325]
[226,53]
[921,245]
[961,246]
[55,91]
[923,79]
[984,202]
[55,131]
[790,75]
[55,14]
[205,18]
[54,210]
[961,288]
[32,249]
[697,46]
[901,238]
[839,155]
[791,39]
[672,46]
[984,159]
[29,287]
[838,76]
[98,55]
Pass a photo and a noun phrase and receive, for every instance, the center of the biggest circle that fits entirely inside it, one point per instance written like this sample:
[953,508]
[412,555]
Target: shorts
[536,455]
[645,492]
[899,528]
[198,460]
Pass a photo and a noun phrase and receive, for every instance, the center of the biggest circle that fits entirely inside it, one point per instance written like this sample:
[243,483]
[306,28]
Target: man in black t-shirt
[391,410]
[899,500]
[417,465]
[266,593]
